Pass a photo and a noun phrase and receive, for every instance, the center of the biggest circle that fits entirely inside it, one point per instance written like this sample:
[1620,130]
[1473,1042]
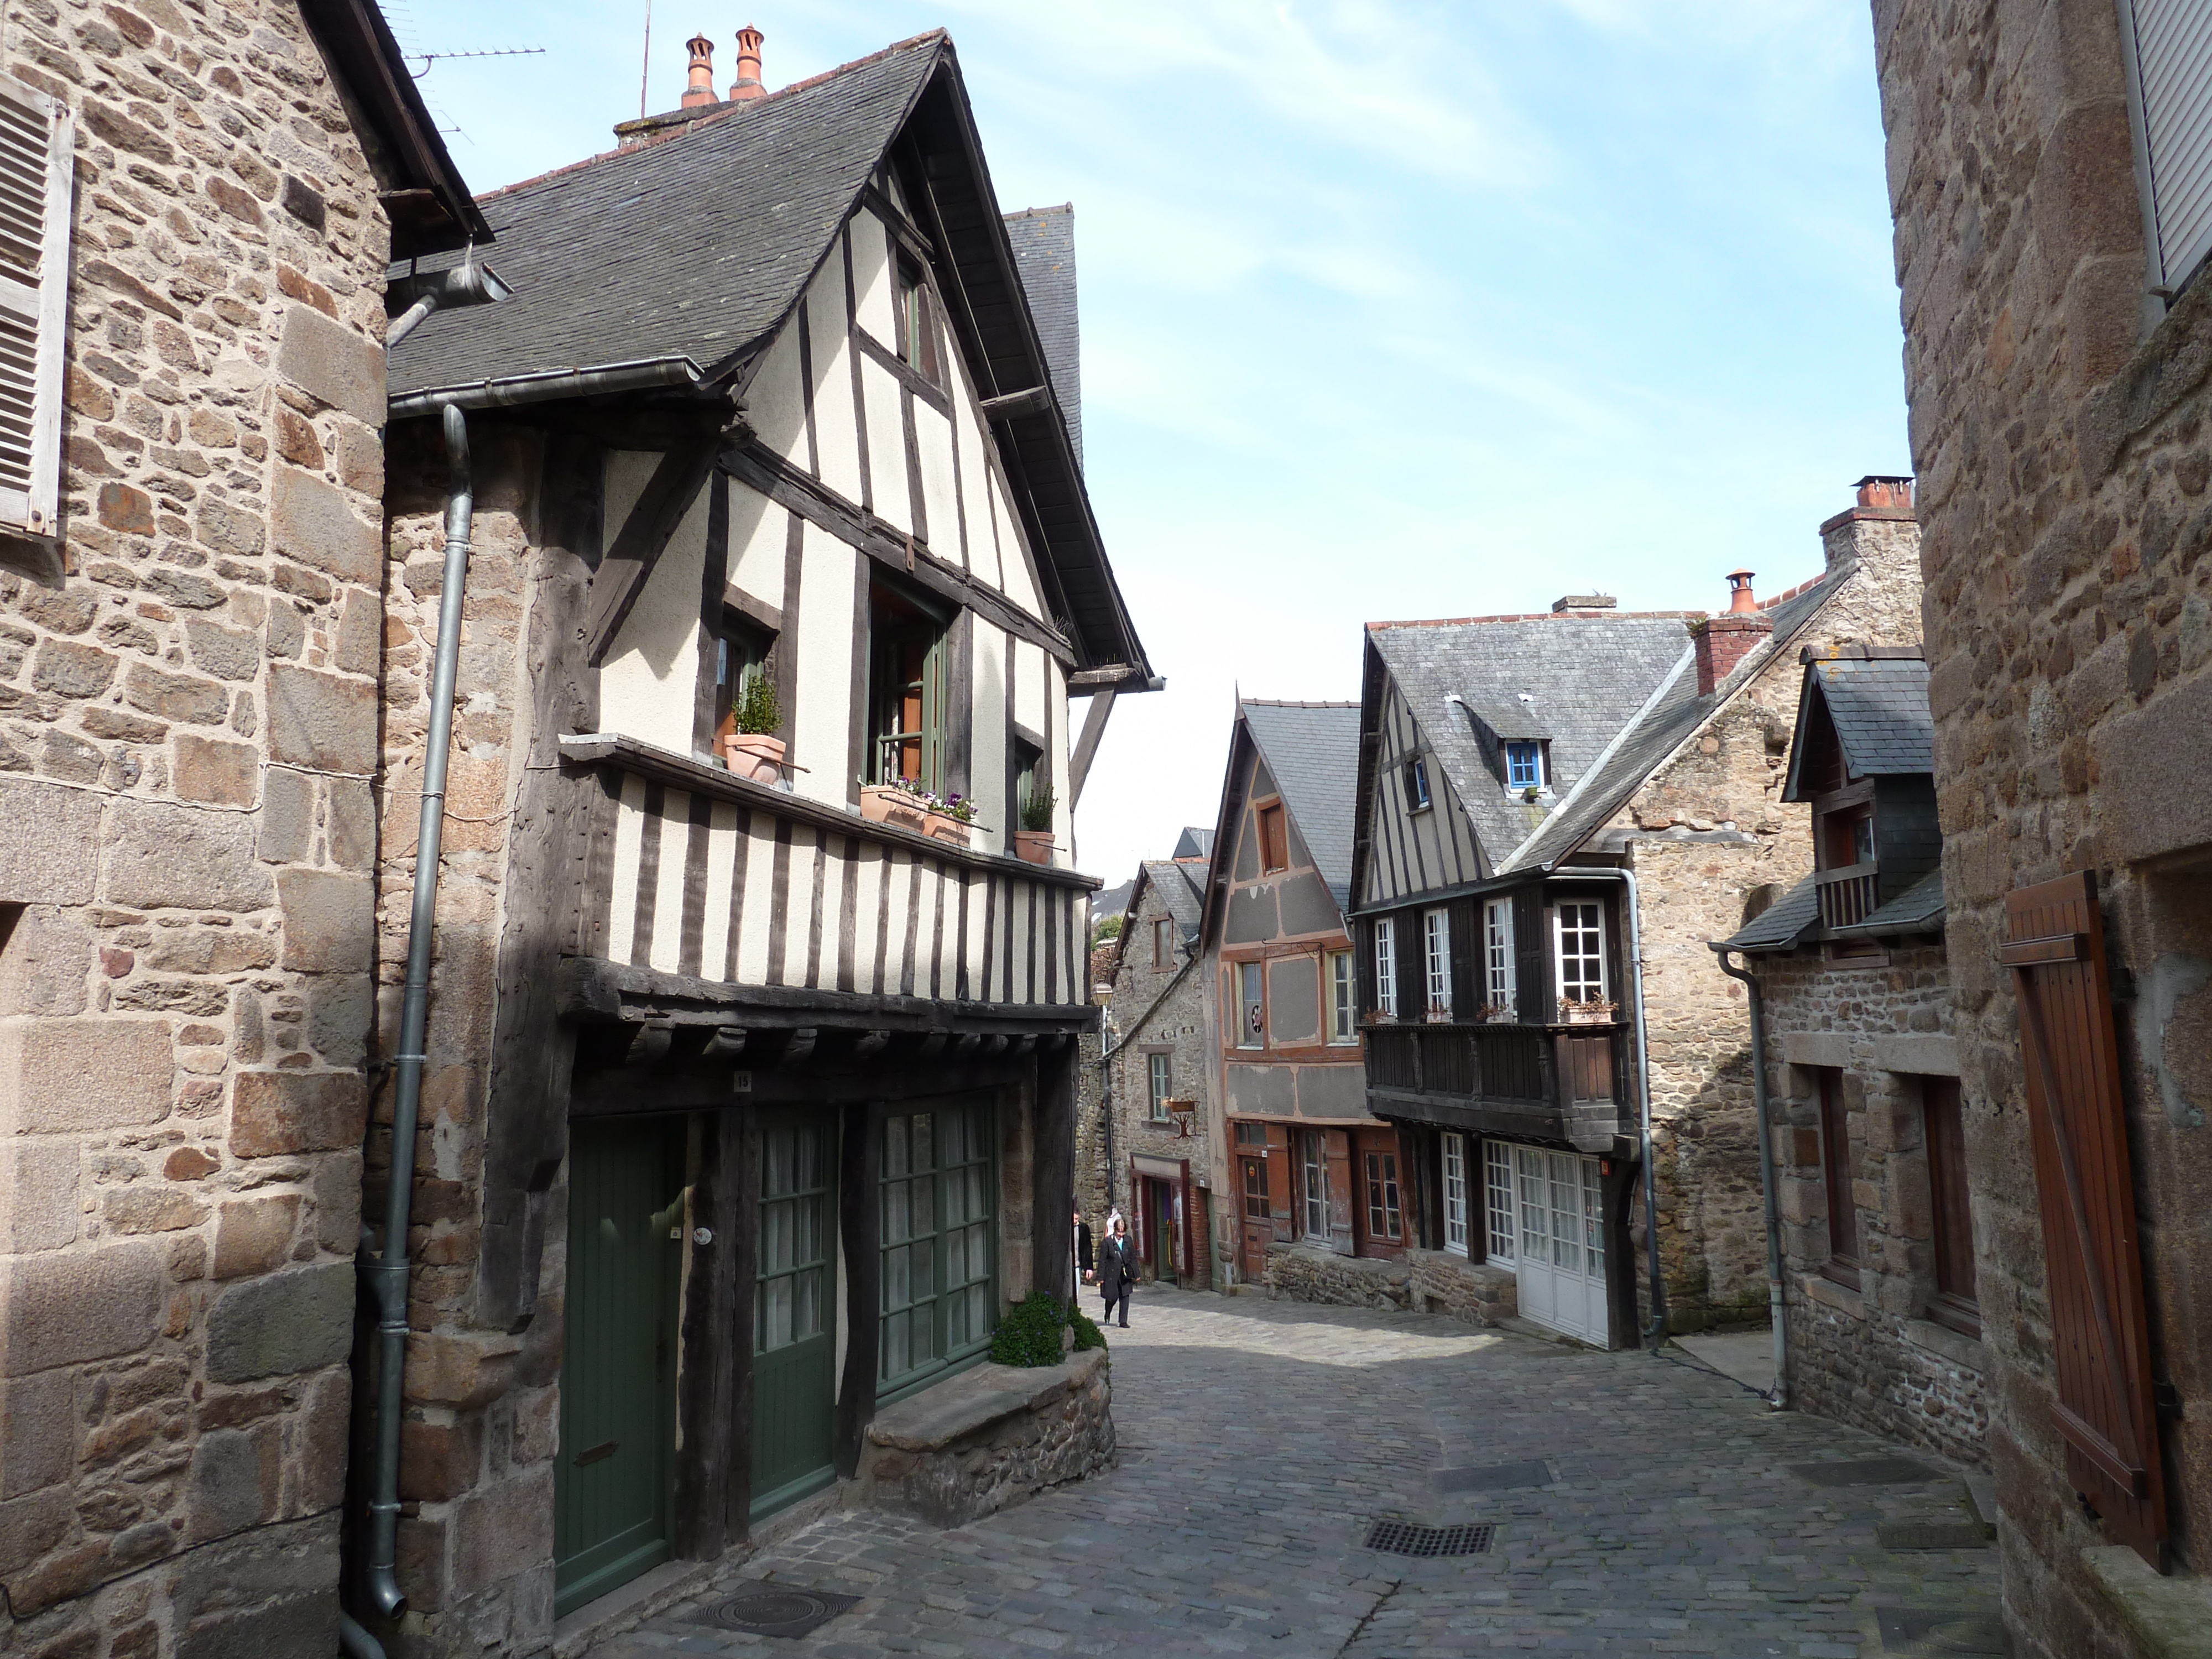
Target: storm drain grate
[1493,1477]
[773,1610]
[1867,1472]
[1940,1633]
[1404,1538]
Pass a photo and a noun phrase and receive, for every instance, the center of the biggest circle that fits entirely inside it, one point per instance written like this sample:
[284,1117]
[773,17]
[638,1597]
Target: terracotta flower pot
[943,826]
[1033,845]
[881,804]
[752,755]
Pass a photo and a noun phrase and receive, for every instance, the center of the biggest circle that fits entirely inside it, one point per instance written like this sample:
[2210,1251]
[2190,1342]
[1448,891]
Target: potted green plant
[750,747]
[1033,841]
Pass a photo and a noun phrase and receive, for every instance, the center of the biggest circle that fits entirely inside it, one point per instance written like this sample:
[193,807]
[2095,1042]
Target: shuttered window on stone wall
[2170,44]
[37,141]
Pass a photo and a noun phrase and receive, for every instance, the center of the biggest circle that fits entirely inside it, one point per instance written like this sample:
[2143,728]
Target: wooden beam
[768,473]
[859,1165]
[1052,1168]
[622,574]
[1031,400]
[710,1340]
[1086,745]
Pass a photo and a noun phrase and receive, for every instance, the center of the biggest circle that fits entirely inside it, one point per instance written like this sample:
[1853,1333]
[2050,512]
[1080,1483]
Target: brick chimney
[1725,640]
[700,90]
[748,83]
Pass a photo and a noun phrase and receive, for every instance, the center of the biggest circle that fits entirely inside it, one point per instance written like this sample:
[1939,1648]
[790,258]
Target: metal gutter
[643,374]
[1778,1396]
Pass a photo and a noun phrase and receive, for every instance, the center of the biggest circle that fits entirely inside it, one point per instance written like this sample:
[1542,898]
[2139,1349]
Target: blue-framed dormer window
[1417,785]
[1524,765]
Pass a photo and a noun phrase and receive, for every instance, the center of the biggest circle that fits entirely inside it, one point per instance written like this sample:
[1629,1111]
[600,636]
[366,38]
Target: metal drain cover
[1493,1477]
[1403,1538]
[1941,1633]
[774,1610]
[1867,1472]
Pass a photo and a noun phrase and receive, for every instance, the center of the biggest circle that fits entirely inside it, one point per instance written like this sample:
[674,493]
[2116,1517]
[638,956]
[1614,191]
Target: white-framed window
[1417,785]
[1497,990]
[38,147]
[1455,1192]
[1251,1005]
[1436,936]
[1313,1183]
[1498,1198]
[1343,999]
[1386,966]
[1578,936]
[1524,766]
[2163,43]
[1162,1079]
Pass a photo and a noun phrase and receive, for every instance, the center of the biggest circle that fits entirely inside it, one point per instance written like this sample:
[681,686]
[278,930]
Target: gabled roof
[1879,708]
[674,261]
[1180,883]
[1658,731]
[1196,842]
[1313,750]
[1785,924]
[1044,252]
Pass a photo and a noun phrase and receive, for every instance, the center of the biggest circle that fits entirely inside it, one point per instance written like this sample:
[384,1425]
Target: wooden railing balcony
[1849,894]
[1563,1082]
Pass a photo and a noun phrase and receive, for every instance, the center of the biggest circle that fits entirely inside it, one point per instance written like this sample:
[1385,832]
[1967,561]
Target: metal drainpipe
[1657,1327]
[386,1275]
[355,1642]
[1106,1077]
[1777,1301]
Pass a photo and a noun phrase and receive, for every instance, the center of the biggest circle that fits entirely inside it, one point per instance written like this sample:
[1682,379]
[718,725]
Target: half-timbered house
[1550,808]
[752,1067]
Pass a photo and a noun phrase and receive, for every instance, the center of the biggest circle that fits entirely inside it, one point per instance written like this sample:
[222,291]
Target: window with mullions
[1313,1183]
[741,649]
[917,323]
[1498,1198]
[906,690]
[1454,1185]
[1498,958]
[1578,932]
[1161,1068]
[1343,999]
[1417,785]
[1384,1219]
[791,1301]
[939,1275]
[1436,937]
[1524,765]
[1386,967]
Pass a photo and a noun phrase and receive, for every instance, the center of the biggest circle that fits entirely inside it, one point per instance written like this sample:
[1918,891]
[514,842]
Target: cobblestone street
[1258,1441]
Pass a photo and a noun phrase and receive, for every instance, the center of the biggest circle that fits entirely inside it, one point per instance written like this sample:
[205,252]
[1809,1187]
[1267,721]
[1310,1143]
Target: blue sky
[1389,310]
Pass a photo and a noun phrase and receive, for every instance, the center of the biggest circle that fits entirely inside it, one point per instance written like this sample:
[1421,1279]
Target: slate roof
[1918,909]
[1044,252]
[1180,883]
[1313,750]
[1880,711]
[1782,924]
[1585,677]
[1196,842]
[1658,731]
[704,271]
[1113,902]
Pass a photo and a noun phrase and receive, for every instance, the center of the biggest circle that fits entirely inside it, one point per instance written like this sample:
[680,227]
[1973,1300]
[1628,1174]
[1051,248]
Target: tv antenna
[646,74]
[430,57]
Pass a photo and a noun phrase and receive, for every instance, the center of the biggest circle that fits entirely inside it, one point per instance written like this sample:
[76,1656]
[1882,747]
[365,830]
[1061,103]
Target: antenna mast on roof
[645,73]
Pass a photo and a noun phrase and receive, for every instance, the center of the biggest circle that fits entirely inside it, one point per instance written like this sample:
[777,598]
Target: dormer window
[1524,766]
[1417,785]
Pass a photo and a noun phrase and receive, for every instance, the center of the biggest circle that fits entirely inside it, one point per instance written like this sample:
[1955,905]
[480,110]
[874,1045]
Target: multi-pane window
[1275,840]
[1343,1010]
[1384,1220]
[1454,1175]
[1417,785]
[1836,1176]
[937,1188]
[792,1296]
[1386,967]
[917,327]
[1252,1005]
[1578,931]
[741,650]
[1435,936]
[1524,765]
[906,690]
[1313,1183]
[1944,1129]
[1562,1211]
[1255,1189]
[1498,958]
[1161,1068]
[1497,1196]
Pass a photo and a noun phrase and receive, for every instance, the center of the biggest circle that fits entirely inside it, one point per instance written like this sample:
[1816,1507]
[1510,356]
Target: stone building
[1148,1119]
[1514,771]
[751,1066]
[2058,363]
[1875,1221]
[201,205]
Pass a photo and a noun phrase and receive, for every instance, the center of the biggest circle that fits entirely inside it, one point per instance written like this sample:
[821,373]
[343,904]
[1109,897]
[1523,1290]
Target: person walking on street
[1117,1267]
[1083,1262]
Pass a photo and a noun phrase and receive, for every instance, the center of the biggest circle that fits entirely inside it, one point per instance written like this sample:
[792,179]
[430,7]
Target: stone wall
[1440,1282]
[1869,1356]
[187,735]
[1304,1273]
[2058,424]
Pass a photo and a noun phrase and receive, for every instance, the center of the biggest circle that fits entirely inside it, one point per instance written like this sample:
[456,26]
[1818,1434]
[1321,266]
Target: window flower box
[949,820]
[1590,1013]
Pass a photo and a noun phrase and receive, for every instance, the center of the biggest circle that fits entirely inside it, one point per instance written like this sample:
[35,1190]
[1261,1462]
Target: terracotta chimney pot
[1740,603]
[700,90]
[1880,491]
[748,83]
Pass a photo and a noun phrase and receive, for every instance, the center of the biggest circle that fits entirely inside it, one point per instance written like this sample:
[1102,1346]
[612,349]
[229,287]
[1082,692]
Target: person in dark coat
[1117,1269]
[1084,1263]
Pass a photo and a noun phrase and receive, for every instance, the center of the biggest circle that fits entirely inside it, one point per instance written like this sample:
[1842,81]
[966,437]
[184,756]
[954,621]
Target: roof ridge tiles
[1549,616]
[1788,594]
[732,106]
[1290,702]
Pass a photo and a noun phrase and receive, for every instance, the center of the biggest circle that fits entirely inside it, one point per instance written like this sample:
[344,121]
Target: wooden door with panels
[2103,1405]
[794,1336]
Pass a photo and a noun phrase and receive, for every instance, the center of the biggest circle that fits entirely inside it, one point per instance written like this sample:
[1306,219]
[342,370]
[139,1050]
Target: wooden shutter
[2101,1341]
[2172,50]
[1413,965]
[1337,1149]
[37,145]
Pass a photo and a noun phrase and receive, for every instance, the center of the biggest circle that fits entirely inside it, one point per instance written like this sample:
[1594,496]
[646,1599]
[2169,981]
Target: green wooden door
[794,1313]
[610,1501]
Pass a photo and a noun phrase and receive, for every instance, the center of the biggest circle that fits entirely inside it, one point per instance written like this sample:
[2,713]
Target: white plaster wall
[758,533]
[836,424]
[872,276]
[775,402]
[1029,685]
[933,439]
[886,446]
[1013,575]
[650,677]
[1063,741]
[986,743]
[974,480]
[821,724]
